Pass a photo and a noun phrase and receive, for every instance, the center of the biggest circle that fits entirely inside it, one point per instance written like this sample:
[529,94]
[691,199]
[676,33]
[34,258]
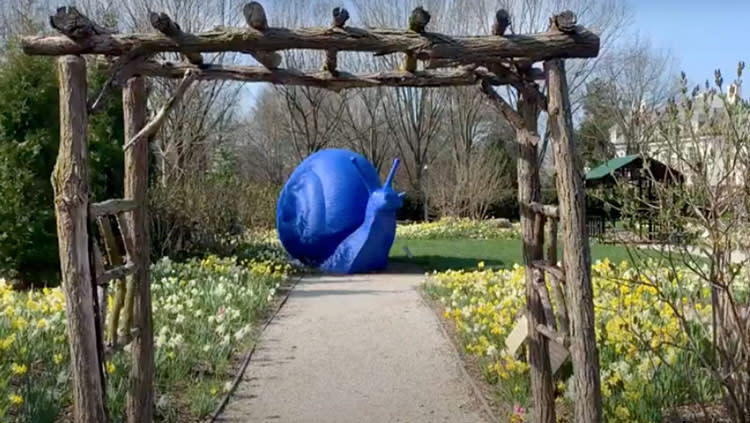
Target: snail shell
[323,202]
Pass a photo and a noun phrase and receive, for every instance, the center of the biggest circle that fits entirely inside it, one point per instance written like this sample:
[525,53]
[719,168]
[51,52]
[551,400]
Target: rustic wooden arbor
[488,61]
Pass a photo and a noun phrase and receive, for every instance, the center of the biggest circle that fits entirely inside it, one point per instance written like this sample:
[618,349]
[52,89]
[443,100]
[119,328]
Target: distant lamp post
[424,193]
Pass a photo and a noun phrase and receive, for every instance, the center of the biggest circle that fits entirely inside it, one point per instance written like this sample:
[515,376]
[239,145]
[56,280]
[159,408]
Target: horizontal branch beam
[553,335]
[153,126]
[467,75]
[118,272]
[580,43]
[110,207]
[545,210]
[553,270]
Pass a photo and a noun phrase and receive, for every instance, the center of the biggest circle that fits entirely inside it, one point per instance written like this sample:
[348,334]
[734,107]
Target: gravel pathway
[355,349]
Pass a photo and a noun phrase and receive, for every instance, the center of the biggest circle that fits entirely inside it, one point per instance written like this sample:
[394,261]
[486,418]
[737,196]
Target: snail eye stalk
[392,173]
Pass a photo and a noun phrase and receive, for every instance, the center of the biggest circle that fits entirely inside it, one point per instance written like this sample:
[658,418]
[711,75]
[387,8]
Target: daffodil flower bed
[643,349]
[454,228]
[204,311]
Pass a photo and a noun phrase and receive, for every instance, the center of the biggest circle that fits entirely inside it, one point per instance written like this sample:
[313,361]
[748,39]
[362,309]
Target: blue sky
[702,34]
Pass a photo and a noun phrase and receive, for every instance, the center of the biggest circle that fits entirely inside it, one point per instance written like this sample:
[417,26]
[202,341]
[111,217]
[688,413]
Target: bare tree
[264,155]
[639,78]
[469,174]
[204,121]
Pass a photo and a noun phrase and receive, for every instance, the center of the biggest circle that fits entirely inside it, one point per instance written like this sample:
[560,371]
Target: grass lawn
[443,254]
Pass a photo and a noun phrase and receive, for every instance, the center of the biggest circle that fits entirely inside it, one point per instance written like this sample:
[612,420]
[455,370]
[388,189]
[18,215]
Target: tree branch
[511,115]
[466,75]
[426,46]
[153,126]
[75,25]
[164,24]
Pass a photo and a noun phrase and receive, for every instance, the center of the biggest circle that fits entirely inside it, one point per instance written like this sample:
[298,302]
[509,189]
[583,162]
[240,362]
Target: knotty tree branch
[255,16]
[510,114]
[465,75]
[426,46]
[156,123]
[164,24]
[75,25]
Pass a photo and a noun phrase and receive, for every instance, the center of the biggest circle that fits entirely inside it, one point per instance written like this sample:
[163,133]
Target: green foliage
[458,228]
[647,363]
[28,145]
[207,214]
[204,312]
[29,134]
[444,254]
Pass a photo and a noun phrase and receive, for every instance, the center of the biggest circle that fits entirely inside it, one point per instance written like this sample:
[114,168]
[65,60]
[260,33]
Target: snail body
[334,215]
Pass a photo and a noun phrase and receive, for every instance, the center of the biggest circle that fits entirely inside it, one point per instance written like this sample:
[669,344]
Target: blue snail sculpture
[334,215]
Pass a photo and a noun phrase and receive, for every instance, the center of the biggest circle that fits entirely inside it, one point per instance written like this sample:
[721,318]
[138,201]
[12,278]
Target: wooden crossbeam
[581,43]
[556,271]
[111,207]
[465,75]
[114,273]
[545,210]
[558,351]
[552,335]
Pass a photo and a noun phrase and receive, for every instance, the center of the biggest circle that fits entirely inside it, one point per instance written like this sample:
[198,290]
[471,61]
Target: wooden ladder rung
[118,272]
[554,271]
[545,209]
[110,207]
[553,335]
[121,343]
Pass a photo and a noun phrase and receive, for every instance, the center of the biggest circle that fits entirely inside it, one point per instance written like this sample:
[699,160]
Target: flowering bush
[647,361]
[33,352]
[451,227]
[204,310]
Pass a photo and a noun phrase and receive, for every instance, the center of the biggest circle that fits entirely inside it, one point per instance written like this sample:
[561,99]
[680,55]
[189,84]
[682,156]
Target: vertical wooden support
[70,183]
[418,20]
[561,307]
[114,257]
[532,232]
[576,253]
[340,16]
[140,398]
[255,16]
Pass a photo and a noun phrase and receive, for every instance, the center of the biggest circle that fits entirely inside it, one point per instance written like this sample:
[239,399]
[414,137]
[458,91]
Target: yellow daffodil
[15,399]
[18,369]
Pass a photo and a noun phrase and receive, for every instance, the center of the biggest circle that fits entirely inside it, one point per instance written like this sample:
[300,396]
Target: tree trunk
[576,252]
[532,232]
[70,183]
[140,398]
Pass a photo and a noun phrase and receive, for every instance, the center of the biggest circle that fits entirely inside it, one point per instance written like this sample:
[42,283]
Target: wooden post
[255,16]
[418,20]
[561,307]
[140,398]
[114,257]
[576,252]
[340,16]
[70,183]
[532,232]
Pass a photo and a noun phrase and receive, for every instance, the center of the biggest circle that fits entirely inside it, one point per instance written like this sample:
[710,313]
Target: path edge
[249,355]
[477,392]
